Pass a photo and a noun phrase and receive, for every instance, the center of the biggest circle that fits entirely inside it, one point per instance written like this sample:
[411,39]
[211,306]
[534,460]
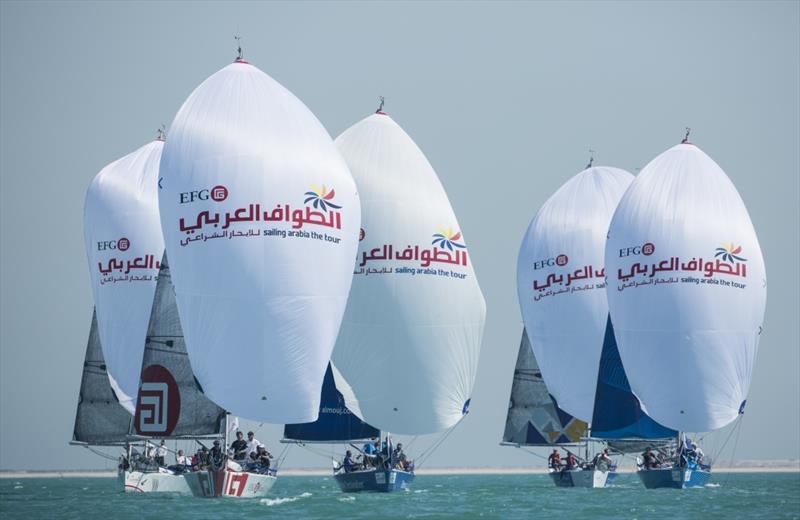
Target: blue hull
[675,478]
[374,480]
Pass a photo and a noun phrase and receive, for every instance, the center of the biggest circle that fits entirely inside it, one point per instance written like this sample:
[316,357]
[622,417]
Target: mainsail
[123,245]
[686,290]
[617,412]
[170,402]
[561,281]
[336,422]
[411,336]
[99,419]
[260,217]
[534,418]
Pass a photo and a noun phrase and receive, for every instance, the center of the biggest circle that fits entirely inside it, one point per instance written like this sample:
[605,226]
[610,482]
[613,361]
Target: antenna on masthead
[238,39]
[686,137]
[162,133]
[380,108]
[591,159]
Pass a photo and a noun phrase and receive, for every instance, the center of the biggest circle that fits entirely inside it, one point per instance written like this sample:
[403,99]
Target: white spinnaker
[261,218]
[561,285]
[411,335]
[687,325]
[124,246]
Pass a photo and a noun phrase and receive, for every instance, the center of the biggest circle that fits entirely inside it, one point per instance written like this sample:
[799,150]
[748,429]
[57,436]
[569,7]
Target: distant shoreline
[793,467]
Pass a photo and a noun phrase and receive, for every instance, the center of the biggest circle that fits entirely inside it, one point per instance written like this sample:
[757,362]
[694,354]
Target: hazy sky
[504,98]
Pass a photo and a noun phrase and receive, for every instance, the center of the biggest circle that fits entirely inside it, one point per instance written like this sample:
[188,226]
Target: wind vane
[162,133]
[591,159]
[686,137]
[380,108]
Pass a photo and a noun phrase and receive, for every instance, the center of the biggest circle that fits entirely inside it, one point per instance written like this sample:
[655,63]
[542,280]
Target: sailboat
[411,336]
[260,218]
[100,419]
[686,294]
[535,420]
[170,404]
[561,288]
[123,244]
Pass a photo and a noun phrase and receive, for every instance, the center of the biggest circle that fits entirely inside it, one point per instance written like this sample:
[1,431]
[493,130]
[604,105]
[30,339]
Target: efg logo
[217,194]
[560,260]
[123,244]
[647,249]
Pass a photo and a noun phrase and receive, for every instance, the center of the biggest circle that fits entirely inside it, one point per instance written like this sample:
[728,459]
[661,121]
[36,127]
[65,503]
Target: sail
[617,412]
[411,336]
[100,419]
[336,422]
[534,418]
[686,291]
[560,284]
[124,245]
[260,217]
[170,402]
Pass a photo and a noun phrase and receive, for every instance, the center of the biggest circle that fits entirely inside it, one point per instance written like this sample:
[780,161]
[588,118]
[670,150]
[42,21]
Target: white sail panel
[686,290]
[124,246]
[261,218]
[411,336]
[561,284]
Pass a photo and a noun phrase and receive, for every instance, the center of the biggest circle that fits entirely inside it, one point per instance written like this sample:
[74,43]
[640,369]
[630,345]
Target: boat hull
[153,482]
[373,480]
[231,484]
[584,478]
[675,478]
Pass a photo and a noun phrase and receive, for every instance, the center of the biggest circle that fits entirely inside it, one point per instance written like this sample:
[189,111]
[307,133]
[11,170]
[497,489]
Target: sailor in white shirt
[161,452]
[181,459]
[252,444]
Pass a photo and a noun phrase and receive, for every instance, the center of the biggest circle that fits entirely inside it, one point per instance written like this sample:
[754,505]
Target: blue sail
[336,423]
[617,412]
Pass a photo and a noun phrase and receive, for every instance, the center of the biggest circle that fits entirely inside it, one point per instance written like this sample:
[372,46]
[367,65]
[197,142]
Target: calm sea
[731,496]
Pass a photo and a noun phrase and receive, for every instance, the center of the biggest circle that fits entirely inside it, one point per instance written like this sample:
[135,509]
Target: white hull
[153,482]
[583,478]
[233,484]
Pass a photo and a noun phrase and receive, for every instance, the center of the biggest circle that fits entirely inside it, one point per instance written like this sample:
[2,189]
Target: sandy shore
[788,467]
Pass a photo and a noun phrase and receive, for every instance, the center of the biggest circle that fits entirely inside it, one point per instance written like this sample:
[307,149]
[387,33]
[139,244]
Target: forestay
[687,290]
[100,418]
[534,419]
[561,284]
[124,245]
[411,336]
[260,217]
[170,402]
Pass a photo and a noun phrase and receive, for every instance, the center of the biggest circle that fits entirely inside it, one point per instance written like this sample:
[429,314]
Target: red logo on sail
[158,406]
[219,193]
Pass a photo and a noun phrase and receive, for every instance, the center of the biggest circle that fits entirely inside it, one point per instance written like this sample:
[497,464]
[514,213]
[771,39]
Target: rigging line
[282,457]
[738,429]
[530,452]
[425,455]
[100,453]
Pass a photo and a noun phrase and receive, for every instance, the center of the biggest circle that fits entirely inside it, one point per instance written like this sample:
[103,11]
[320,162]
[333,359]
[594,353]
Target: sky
[505,99]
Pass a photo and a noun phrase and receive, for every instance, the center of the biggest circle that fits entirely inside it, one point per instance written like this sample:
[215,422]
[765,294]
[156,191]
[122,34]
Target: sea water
[748,496]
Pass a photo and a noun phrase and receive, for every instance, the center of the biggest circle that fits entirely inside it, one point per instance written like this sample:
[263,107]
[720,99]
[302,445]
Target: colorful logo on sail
[730,253]
[321,198]
[447,239]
